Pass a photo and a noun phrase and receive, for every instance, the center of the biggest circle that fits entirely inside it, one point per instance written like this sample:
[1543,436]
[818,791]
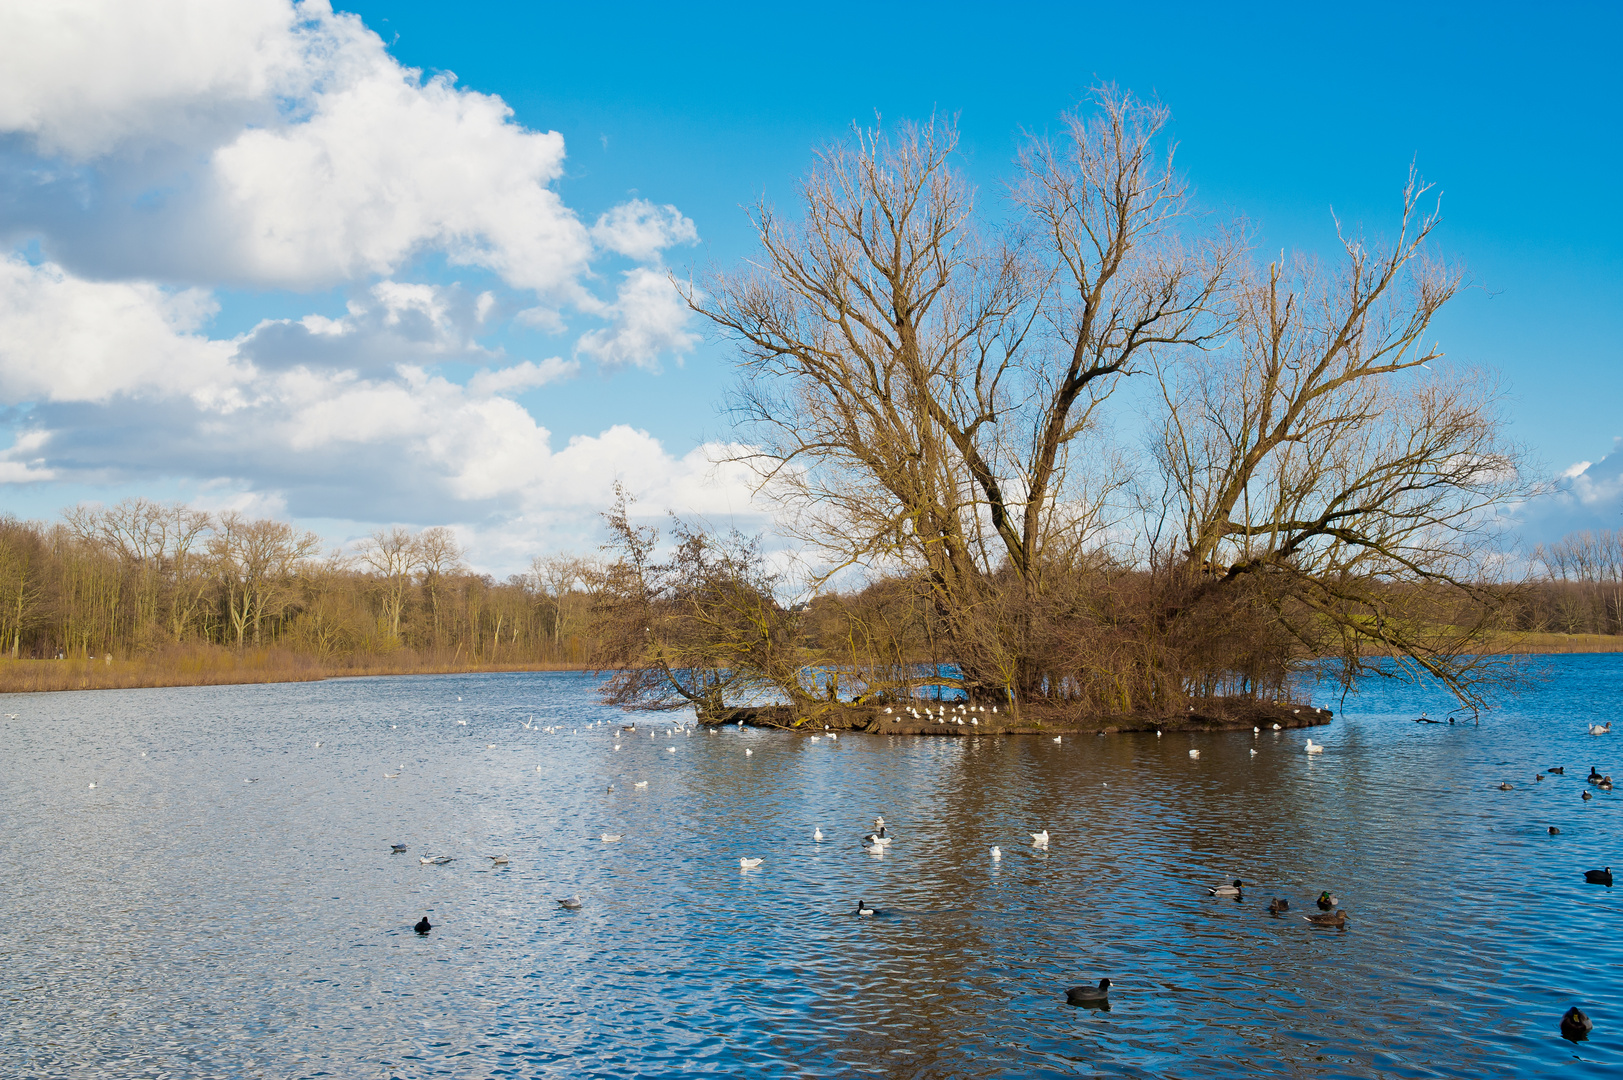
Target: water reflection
[176,919]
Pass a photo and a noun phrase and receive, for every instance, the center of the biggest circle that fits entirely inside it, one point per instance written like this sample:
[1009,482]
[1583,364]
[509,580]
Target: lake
[177,921]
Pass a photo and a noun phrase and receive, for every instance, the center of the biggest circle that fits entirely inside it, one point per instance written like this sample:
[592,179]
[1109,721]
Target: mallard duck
[423,926]
[1337,919]
[1599,877]
[1227,890]
[1277,905]
[1326,901]
[1575,1026]
[1089,995]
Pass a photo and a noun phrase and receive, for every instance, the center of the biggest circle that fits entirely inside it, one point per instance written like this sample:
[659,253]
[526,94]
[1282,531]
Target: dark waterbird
[1277,905]
[1554,831]
[1599,877]
[397,849]
[864,909]
[1587,796]
[1089,995]
[1575,1026]
[1558,770]
[1326,901]
[423,925]
[1594,776]
[1337,920]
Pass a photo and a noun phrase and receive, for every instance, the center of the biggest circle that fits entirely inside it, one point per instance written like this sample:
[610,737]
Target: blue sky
[680,117]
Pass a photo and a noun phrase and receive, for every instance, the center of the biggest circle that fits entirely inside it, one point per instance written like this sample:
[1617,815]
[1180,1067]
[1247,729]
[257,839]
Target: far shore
[216,666]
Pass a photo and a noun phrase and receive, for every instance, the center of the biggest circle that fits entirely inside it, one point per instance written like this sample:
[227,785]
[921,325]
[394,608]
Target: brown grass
[1555,643]
[209,665]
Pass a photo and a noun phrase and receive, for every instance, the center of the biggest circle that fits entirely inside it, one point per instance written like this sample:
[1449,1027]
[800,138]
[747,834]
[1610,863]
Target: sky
[406,262]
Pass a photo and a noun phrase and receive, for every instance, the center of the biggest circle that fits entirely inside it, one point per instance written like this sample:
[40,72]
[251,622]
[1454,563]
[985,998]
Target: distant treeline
[1579,589]
[140,577]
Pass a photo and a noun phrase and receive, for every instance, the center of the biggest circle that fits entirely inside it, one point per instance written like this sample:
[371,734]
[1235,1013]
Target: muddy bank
[1218,715]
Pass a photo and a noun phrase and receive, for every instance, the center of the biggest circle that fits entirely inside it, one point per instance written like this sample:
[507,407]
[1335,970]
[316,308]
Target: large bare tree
[920,387]
[1318,460]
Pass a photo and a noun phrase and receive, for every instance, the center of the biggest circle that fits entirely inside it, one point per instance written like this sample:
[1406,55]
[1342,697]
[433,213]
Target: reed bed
[209,665]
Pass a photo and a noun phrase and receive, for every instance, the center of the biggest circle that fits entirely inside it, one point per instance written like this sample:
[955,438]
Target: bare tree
[1316,452]
[392,554]
[438,556]
[923,389]
[255,563]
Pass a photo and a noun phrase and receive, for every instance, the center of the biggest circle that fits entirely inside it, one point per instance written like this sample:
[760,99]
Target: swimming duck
[1089,995]
[1604,783]
[1599,877]
[1600,729]
[1326,901]
[1594,774]
[1575,1026]
[1538,778]
[423,926]
[570,903]
[1278,905]
[1506,787]
[750,864]
[864,909]
[1554,831]
[1587,796]
[1338,919]
[1227,890]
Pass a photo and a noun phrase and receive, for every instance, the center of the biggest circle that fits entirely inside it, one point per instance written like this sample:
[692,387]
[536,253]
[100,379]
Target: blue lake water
[175,921]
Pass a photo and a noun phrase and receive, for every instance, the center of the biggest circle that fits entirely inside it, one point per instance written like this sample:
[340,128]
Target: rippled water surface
[176,921]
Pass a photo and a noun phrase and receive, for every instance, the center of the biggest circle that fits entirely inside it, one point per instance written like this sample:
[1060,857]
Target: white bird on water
[749,864]
[1057,738]
[640,784]
[1313,747]
[670,749]
[996,854]
[1194,753]
[1253,751]
[610,837]
[1039,839]
[748,751]
[817,835]
[1600,729]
